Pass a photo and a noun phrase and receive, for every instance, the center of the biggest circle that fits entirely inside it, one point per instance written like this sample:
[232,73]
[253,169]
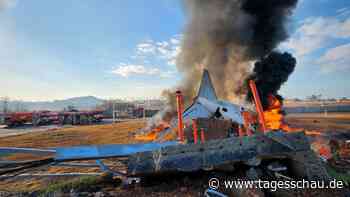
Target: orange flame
[153,134]
[322,148]
[274,118]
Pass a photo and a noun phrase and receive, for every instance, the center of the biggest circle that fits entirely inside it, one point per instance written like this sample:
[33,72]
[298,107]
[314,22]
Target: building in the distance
[118,109]
[123,110]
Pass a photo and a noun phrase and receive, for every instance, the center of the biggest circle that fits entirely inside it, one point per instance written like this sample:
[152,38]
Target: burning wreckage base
[267,151]
[283,154]
[292,148]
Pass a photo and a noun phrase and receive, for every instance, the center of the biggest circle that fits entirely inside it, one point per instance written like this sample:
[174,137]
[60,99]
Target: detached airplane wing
[207,105]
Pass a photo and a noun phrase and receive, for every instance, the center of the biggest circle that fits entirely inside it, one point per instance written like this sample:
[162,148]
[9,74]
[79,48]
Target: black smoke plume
[225,36]
[269,74]
[269,24]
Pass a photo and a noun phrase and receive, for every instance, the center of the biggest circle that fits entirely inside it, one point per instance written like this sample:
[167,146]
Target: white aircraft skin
[228,110]
[207,105]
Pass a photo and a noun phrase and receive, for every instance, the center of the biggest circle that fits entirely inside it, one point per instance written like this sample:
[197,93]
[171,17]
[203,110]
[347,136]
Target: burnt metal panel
[193,157]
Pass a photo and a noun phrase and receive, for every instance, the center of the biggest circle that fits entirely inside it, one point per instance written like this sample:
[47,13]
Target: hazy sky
[126,49]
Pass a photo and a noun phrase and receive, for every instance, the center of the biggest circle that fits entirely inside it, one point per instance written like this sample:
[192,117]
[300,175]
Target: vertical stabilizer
[206,89]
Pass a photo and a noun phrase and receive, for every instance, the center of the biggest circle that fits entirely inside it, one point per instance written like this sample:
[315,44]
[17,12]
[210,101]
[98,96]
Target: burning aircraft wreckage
[213,134]
[210,135]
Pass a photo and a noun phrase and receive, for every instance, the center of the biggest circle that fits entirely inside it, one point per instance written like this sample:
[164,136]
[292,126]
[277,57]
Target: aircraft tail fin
[206,88]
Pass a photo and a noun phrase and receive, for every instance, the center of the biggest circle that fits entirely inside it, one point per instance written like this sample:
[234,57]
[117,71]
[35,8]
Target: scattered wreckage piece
[215,153]
[106,151]
[157,158]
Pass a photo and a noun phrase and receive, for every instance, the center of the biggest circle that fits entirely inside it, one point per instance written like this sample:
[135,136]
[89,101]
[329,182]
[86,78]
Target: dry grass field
[332,122]
[117,133]
[123,133]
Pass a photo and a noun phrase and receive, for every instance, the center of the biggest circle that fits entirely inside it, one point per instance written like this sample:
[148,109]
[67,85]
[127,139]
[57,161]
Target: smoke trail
[269,75]
[224,36]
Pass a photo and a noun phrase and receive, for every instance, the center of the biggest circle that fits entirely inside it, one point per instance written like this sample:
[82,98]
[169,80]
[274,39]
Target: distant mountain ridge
[81,103]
